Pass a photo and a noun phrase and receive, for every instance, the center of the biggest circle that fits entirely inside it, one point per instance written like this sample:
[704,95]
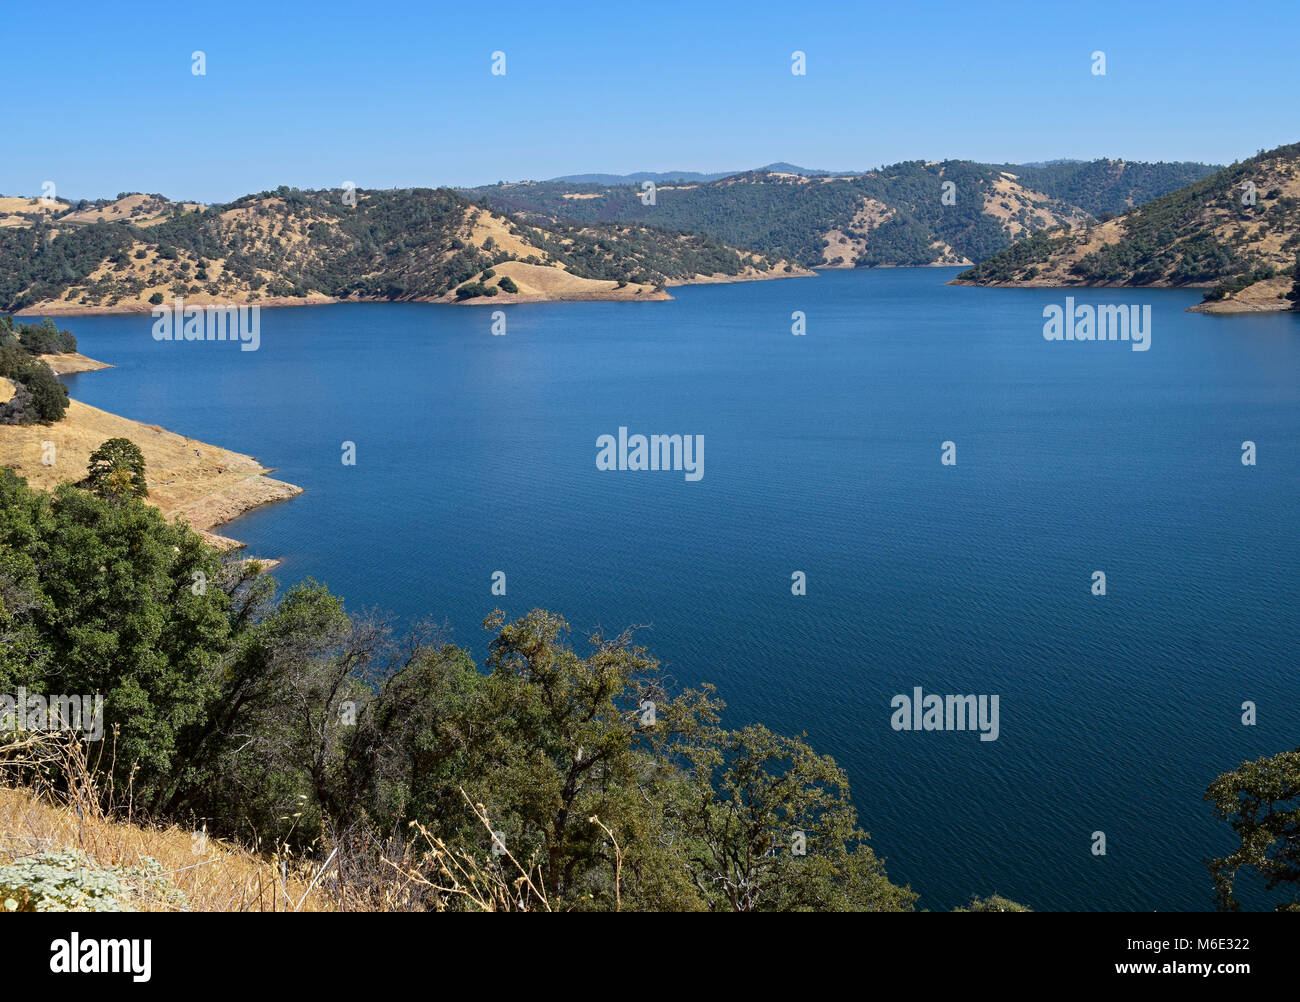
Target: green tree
[768,826]
[572,745]
[108,598]
[1261,801]
[49,395]
[288,719]
[993,903]
[116,470]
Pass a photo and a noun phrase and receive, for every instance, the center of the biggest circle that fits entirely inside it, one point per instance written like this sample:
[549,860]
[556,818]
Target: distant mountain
[676,175]
[897,215]
[1052,163]
[289,245]
[1236,231]
[637,178]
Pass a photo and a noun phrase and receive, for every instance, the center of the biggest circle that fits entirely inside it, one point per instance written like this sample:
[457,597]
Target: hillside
[203,484]
[1108,187]
[157,867]
[291,246]
[893,216]
[1206,234]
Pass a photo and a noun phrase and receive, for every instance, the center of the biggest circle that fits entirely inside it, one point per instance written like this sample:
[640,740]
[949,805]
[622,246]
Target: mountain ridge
[894,215]
[1235,232]
[285,246]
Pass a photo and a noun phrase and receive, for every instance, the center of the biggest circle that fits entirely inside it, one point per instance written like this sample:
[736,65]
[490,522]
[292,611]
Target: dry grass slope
[203,484]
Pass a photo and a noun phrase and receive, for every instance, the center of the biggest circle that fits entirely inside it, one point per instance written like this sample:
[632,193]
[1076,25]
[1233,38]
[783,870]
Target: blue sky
[100,98]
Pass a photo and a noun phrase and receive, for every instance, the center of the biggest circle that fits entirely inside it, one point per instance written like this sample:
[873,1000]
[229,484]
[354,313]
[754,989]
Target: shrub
[993,903]
[38,396]
[49,396]
[71,882]
[46,338]
[507,284]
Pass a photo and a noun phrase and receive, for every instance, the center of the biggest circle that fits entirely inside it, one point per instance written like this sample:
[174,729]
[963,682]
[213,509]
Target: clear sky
[100,97]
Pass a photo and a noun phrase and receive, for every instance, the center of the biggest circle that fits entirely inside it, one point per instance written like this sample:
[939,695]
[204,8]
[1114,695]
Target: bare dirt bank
[203,484]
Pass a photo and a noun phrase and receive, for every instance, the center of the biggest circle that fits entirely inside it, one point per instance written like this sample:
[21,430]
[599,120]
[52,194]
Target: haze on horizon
[408,99]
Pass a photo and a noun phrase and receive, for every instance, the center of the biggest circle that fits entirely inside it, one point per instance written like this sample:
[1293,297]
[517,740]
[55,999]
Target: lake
[477,453]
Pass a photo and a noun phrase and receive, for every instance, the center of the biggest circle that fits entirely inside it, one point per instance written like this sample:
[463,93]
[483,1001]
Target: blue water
[476,453]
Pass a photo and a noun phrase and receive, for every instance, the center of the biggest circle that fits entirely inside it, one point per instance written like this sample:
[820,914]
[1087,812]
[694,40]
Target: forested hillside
[911,213]
[292,244]
[1236,232]
[1108,187]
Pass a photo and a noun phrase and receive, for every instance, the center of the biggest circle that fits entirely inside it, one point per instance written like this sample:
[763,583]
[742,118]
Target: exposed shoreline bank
[203,484]
[1262,297]
[597,291]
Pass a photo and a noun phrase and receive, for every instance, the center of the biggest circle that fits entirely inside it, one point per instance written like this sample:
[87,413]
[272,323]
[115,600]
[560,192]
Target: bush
[470,290]
[507,284]
[38,396]
[46,338]
[156,299]
[71,882]
[49,396]
[993,903]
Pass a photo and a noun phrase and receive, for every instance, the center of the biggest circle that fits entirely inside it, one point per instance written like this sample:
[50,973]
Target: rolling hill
[1236,232]
[292,246]
[896,215]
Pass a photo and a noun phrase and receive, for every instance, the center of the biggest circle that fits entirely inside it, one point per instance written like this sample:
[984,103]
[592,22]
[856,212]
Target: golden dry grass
[18,212]
[53,799]
[480,225]
[871,213]
[213,875]
[63,365]
[1265,296]
[542,282]
[1006,189]
[204,484]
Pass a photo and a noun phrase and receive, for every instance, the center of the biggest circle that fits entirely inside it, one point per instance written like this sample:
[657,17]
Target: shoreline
[72,363]
[205,485]
[1247,301]
[612,295]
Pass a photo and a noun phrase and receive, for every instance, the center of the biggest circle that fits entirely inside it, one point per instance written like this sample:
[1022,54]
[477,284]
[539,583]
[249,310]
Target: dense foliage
[390,245]
[1261,801]
[787,217]
[44,338]
[284,717]
[1108,187]
[39,396]
[116,471]
[1185,237]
